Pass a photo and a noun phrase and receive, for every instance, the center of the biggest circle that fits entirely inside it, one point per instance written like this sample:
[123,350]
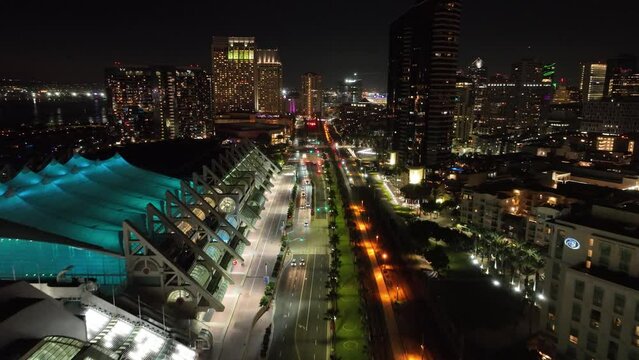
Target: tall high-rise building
[618,67]
[624,87]
[159,102]
[477,75]
[350,90]
[311,95]
[269,81]
[565,94]
[463,113]
[592,81]
[234,74]
[533,86]
[422,70]
[497,109]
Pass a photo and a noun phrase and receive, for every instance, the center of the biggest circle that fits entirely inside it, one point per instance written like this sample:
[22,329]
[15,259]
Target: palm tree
[512,261]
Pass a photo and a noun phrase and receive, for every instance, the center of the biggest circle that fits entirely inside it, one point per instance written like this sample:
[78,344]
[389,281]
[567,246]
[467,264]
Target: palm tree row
[518,263]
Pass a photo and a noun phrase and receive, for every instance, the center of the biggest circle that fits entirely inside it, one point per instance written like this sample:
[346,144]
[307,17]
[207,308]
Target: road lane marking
[299,308]
[308,313]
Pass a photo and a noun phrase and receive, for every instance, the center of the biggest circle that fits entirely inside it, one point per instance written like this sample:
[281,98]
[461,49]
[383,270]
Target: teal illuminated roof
[84,200]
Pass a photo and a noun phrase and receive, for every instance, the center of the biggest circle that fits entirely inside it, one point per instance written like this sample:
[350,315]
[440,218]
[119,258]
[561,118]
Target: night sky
[72,41]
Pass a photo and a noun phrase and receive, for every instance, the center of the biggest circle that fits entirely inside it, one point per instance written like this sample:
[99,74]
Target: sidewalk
[231,328]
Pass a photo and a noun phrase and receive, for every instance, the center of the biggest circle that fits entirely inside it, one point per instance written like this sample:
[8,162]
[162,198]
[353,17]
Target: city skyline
[410,179]
[79,44]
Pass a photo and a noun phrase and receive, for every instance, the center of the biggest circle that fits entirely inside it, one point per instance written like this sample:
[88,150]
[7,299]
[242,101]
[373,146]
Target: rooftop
[603,224]
[83,200]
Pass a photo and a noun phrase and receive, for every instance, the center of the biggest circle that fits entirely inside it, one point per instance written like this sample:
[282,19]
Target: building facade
[350,90]
[269,81]
[363,123]
[234,74]
[159,102]
[616,68]
[533,91]
[423,50]
[592,81]
[464,110]
[591,307]
[497,107]
[312,98]
[625,87]
[610,117]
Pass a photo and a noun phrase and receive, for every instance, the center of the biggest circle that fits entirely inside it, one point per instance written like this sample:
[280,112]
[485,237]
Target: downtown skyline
[76,46]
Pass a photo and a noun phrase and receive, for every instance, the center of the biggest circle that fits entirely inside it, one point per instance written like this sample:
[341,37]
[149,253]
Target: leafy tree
[415,191]
[263,139]
[437,257]
[429,206]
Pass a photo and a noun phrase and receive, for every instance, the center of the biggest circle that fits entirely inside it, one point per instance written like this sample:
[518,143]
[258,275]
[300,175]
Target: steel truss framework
[182,259]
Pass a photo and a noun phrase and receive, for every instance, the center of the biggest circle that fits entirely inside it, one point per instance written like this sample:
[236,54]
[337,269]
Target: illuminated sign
[241,54]
[572,243]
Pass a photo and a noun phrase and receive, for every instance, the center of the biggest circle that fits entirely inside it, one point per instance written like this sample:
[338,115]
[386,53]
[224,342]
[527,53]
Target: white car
[302,262]
[305,223]
[294,262]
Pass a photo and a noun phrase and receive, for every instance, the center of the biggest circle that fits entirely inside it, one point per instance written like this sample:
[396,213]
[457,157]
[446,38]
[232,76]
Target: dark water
[14,114]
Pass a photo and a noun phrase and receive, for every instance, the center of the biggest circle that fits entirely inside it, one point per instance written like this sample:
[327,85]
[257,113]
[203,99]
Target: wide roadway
[233,332]
[300,329]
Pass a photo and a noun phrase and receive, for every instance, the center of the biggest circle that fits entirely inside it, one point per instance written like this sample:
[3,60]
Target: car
[303,194]
[294,262]
[308,182]
[305,223]
[302,262]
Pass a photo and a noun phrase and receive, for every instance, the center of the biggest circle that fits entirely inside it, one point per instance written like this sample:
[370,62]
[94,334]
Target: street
[234,335]
[300,330]
[399,293]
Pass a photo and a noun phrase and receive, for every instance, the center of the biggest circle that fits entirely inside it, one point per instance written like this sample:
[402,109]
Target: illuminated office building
[477,74]
[159,102]
[625,87]
[463,113]
[234,74]
[311,95]
[497,109]
[533,88]
[269,81]
[350,90]
[616,68]
[565,94]
[593,76]
[423,50]
[610,117]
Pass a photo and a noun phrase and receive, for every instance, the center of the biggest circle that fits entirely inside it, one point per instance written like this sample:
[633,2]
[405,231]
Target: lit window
[574,336]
